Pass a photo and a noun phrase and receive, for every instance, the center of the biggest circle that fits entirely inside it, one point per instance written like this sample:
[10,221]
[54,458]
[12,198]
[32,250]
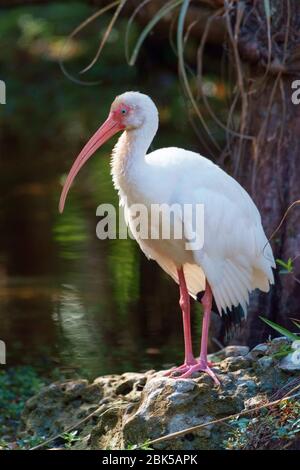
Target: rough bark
[270,164]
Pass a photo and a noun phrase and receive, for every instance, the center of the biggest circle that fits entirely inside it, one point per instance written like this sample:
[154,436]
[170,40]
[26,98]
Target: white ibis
[235,257]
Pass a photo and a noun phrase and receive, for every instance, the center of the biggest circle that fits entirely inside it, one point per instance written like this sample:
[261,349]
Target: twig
[233,36]
[199,79]
[73,33]
[73,426]
[105,36]
[295,203]
[128,26]
[174,435]
[183,74]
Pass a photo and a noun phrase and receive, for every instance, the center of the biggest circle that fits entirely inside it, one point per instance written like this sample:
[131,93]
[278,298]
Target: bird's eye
[123,111]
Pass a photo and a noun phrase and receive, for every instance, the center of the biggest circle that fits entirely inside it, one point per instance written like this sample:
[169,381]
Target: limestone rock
[230,351]
[259,351]
[291,362]
[265,362]
[118,411]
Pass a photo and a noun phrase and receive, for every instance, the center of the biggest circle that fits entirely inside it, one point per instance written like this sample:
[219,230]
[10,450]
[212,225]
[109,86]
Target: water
[67,299]
[73,301]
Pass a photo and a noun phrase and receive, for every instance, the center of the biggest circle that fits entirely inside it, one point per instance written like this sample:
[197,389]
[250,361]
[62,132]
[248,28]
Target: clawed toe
[179,370]
[186,371]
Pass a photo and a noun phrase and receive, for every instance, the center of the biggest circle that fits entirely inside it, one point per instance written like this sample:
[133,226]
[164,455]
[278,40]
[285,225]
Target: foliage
[17,385]
[70,438]
[144,446]
[165,10]
[287,266]
[273,429]
[29,441]
[280,329]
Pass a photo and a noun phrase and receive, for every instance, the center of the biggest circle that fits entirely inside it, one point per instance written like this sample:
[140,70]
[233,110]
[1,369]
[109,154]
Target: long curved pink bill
[107,130]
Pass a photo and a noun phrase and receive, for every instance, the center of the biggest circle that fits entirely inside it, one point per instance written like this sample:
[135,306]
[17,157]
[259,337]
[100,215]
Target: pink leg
[202,364]
[184,303]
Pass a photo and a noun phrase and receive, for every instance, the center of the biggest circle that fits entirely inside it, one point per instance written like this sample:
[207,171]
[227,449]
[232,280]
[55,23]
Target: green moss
[17,385]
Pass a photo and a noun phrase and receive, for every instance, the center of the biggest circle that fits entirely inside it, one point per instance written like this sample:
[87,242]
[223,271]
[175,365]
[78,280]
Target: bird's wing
[236,256]
[193,273]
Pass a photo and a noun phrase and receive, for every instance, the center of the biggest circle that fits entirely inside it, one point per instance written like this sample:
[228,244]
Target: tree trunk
[270,163]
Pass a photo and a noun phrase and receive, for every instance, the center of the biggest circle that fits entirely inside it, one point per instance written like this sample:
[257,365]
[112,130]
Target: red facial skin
[118,114]
[113,124]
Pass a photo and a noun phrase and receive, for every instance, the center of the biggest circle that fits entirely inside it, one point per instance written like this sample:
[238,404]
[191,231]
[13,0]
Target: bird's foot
[181,369]
[200,366]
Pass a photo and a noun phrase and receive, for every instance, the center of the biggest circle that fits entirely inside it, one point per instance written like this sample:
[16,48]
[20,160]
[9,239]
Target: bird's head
[129,111]
[133,109]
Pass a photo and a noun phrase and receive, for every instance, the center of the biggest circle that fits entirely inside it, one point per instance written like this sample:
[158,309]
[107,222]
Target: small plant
[30,441]
[16,386]
[70,438]
[287,267]
[285,349]
[238,435]
[4,445]
[271,429]
[144,446]
[283,331]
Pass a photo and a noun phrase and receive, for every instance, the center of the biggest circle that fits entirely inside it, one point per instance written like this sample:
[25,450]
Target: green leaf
[280,329]
[288,266]
[167,8]
[297,324]
[281,263]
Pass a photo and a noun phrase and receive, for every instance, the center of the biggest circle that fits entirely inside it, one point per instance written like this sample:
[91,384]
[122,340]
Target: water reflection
[101,308]
[66,298]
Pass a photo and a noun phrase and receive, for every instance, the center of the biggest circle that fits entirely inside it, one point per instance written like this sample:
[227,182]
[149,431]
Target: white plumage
[235,257]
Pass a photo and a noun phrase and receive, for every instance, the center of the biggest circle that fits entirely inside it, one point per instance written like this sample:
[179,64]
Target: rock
[245,386]
[259,351]
[265,362]
[255,401]
[280,341]
[131,382]
[291,362]
[235,363]
[64,403]
[118,411]
[169,406]
[229,351]
[278,344]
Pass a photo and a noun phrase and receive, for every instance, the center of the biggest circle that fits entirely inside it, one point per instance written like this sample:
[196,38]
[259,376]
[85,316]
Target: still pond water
[67,299]
[71,300]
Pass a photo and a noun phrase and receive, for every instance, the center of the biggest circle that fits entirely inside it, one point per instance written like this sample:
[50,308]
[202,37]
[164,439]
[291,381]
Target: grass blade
[128,27]
[182,69]
[156,18]
[105,36]
[280,329]
[297,324]
[82,25]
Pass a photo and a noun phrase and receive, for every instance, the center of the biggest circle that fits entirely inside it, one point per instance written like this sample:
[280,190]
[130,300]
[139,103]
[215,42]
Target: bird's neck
[128,156]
